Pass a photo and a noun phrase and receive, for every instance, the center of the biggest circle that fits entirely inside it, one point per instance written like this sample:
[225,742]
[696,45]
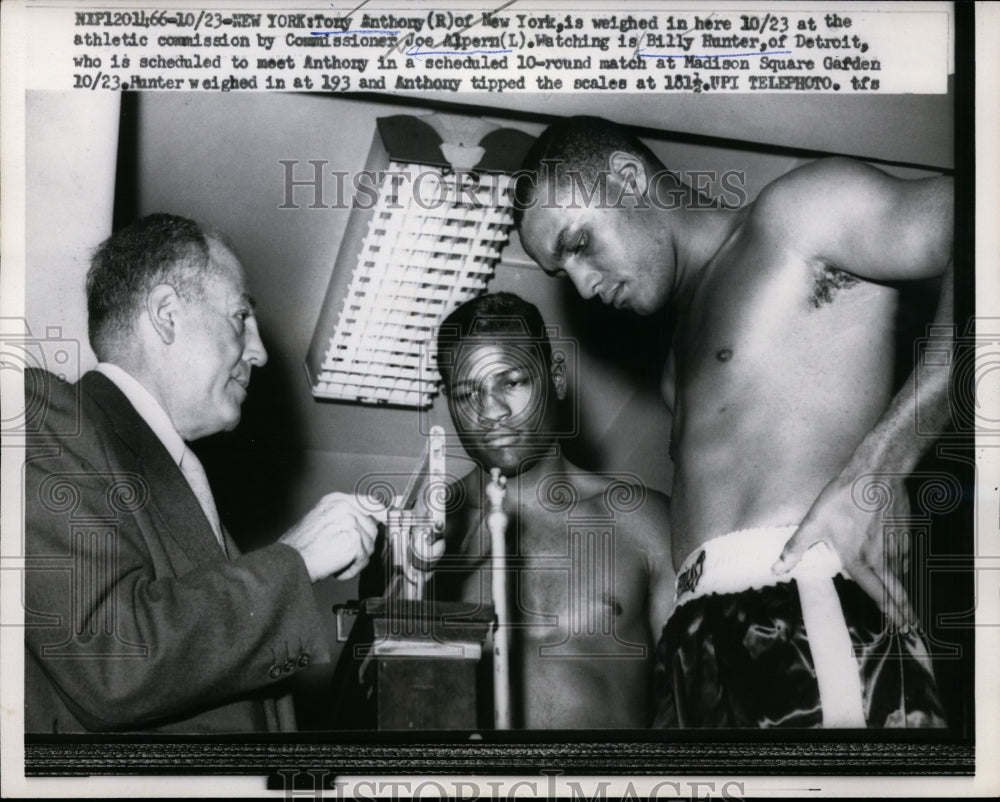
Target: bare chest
[568,580]
[765,317]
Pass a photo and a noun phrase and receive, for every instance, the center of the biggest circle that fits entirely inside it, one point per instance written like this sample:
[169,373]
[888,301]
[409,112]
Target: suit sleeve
[126,638]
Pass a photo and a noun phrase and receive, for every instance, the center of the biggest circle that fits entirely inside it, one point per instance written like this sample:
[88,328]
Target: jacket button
[274,672]
[289,665]
[303,660]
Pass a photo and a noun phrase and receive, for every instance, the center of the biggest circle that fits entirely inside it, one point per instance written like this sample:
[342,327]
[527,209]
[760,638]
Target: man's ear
[629,168]
[558,372]
[162,306]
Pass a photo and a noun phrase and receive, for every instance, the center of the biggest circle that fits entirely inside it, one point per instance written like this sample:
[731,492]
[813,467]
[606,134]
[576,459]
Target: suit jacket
[135,618]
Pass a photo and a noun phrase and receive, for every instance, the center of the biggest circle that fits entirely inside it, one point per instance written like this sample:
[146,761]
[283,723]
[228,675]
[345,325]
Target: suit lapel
[173,505]
[232,550]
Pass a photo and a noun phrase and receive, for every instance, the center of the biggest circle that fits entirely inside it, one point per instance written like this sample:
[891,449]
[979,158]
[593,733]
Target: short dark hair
[499,313]
[571,145]
[158,249]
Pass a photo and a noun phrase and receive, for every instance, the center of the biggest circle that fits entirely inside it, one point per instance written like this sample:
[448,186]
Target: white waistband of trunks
[742,560]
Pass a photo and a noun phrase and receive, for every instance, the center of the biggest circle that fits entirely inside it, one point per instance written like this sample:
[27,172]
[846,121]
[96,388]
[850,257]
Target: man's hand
[426,548]
[855,531]
[336,537]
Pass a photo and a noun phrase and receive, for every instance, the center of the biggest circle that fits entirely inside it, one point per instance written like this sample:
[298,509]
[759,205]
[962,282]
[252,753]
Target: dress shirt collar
[148,408]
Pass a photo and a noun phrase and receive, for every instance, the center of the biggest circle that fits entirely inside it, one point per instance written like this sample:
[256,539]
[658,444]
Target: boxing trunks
[745,648]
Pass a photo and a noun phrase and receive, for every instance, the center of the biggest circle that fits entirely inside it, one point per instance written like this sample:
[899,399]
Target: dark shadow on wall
[127,165]
[634,343]
[918,301]
[635,346]
[254,469]
[941,581]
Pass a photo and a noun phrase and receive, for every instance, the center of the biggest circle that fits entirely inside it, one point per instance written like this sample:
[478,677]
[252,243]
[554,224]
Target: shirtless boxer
[590,574]
[780,385]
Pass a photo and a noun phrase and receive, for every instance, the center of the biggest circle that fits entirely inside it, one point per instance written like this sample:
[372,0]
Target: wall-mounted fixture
[430,219]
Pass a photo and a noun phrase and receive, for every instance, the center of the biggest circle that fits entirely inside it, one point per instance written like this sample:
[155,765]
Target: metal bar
[496,523]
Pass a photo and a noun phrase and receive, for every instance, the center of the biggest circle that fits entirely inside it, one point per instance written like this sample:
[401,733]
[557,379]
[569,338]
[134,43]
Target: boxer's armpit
[827,283]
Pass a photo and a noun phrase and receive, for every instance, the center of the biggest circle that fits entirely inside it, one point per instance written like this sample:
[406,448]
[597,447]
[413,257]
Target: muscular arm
[895,441]
[855,218]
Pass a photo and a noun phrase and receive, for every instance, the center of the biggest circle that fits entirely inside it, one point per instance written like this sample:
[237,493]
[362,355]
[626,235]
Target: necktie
[195,475]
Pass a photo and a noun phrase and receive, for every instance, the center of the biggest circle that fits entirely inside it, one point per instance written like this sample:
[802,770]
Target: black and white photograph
[612,425]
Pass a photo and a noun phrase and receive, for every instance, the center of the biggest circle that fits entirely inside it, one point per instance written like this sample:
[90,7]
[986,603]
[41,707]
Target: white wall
[72,146]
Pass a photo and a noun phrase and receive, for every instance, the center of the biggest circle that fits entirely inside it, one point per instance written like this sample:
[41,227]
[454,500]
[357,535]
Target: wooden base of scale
[413,665]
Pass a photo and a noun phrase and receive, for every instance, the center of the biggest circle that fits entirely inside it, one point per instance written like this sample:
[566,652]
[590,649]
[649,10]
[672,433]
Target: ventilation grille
[431,245]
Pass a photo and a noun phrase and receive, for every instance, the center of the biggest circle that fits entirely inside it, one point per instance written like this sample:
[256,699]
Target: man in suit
[141,612]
